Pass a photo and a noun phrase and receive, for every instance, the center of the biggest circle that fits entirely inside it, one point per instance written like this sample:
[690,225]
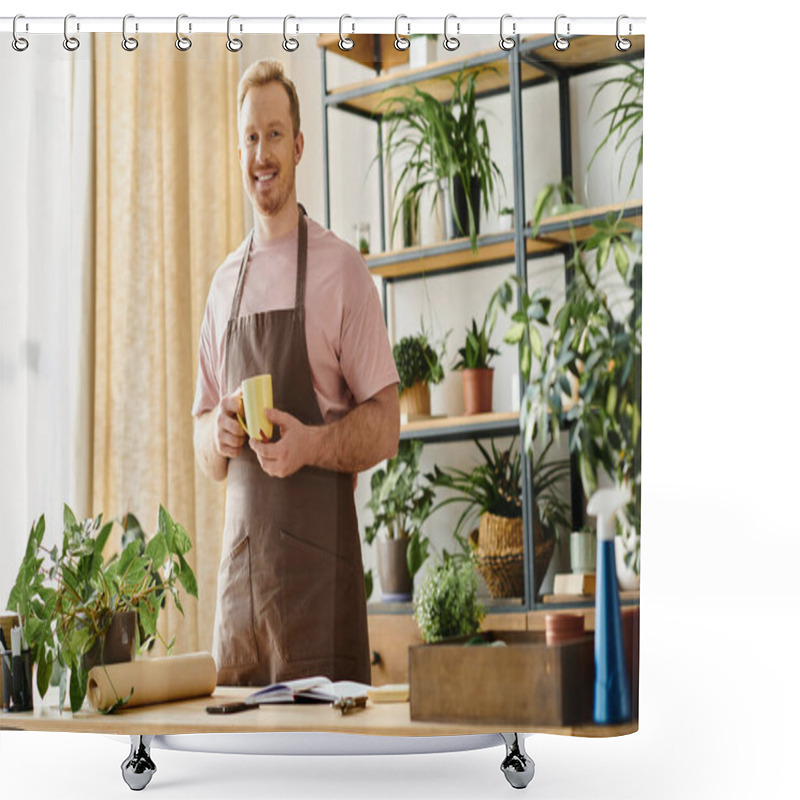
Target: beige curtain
[169,208]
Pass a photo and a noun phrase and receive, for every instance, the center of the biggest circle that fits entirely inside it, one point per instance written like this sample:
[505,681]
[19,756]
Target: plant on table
[446,605]
[419,365]
[68,597]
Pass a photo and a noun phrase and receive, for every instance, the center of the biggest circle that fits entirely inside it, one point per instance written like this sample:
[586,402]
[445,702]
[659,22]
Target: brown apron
[290,598]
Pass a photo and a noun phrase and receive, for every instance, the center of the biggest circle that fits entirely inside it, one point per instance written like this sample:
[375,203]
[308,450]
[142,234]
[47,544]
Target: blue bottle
[612,697]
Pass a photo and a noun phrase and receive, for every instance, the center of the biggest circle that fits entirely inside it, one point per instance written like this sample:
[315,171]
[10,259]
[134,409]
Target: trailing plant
[417,361]
[495,486]
[439,142]
[67,597]
[446,604]
[400,503]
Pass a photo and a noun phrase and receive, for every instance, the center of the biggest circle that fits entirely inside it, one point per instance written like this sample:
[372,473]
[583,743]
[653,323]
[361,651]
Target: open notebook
[307,690]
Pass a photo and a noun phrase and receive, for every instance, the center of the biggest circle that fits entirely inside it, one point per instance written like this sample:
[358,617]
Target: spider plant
[495,486]
[441,144]
[624,117]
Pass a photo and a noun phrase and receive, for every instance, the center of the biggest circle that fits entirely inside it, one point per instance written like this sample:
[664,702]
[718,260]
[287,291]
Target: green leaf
[78,680]
[100,541]
[44,671]
[536,342]
[515,333]
[368,583]
[602,252]
[156,550]
[621,257]
[187,578]
[147,611]
[181,541]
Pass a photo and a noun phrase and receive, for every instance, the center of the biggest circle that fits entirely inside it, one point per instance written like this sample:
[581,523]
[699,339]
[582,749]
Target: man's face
[268,148]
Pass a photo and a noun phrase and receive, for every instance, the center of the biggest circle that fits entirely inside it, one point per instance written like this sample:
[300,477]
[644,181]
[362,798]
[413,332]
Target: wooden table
[189,716]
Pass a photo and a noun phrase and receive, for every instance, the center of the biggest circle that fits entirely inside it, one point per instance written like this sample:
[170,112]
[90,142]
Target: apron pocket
[234,637]
[319,604]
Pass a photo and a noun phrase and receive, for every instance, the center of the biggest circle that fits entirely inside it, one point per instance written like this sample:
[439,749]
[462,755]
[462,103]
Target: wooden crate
[524,684]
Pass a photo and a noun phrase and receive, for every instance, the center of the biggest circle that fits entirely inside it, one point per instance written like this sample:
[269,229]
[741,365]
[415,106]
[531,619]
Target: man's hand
[228,434]
[293,451]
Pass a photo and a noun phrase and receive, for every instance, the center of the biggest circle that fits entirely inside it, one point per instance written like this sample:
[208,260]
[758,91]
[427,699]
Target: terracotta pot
[477,385]
[397,585]
[119,643]
[416,401]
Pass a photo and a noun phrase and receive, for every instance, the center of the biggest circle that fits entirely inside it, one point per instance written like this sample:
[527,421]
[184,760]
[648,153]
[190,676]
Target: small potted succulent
[474,358]
[400,504]
[419,365]
[72,601]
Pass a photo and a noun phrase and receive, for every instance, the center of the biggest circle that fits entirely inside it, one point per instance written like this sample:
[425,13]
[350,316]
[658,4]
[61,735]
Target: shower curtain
[122,196]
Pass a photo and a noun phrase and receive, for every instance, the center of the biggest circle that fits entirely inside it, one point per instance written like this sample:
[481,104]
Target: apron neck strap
[302,254]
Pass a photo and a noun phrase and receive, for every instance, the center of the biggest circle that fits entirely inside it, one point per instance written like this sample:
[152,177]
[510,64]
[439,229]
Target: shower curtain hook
[129,43]
[623,44]
[345,42]
[233,44]
[289,45]
[506,42]
[451,42]
[71,43]
[560,43]
[183,43]
[19,43]
[401,42]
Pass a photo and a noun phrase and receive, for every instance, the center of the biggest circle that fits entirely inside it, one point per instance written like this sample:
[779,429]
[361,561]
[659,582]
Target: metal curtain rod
[570,26]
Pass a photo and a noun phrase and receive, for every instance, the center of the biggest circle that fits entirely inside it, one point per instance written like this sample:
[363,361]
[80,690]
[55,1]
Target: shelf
[540,62]
[627,597]
[497,248]
[493,605]
[372,50]
[453,429]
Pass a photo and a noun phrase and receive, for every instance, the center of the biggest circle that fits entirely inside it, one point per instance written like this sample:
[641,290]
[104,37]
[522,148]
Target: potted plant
[400,504]
[474,359]
[583,550]
[444,148]
[589,367]
[418,366]
[71,598]
[506,216]
[492,492]
[446,605]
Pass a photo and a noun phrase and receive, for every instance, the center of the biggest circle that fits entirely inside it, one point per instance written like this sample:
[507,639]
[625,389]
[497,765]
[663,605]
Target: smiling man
[297,302]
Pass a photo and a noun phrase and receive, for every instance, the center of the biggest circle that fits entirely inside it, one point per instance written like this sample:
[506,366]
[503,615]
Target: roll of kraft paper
[153,680]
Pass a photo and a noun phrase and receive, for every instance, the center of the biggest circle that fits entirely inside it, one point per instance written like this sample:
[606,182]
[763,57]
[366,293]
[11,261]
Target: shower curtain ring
[451,42]
[345,42]
[623,44]
[289,44]
[560,43]
[129,43]
[506,42]
[233,44]
[401,42]
[71,43]
[19,43]
[183,43]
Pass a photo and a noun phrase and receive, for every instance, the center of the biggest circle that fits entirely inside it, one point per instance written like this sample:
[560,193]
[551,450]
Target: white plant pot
[582,552]
[627,579]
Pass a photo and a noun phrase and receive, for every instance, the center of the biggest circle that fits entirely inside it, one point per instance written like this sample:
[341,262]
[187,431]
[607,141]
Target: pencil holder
[17,681]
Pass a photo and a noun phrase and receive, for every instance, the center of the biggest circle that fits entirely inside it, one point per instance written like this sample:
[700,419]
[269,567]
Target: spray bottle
[612,698]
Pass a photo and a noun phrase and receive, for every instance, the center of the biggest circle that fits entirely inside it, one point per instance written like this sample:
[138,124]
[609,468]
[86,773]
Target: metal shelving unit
[530,63]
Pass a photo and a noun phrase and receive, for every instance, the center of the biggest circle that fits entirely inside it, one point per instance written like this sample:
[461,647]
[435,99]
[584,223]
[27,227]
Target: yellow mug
[256,396]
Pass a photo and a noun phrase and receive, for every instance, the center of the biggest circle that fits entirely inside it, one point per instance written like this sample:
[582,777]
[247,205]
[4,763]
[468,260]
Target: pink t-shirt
[348,347]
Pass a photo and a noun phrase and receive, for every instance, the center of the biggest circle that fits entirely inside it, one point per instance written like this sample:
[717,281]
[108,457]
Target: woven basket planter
[499,534]
[416,401]
[503,569]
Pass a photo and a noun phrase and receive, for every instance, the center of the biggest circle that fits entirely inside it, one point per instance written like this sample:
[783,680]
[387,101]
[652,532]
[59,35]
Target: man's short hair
[260,73]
